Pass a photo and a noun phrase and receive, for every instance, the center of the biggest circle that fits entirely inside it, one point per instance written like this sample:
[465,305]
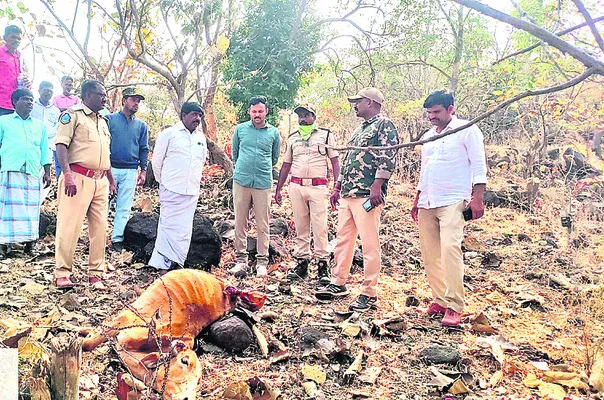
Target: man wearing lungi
[256,147]
[178,159]
[83,151]
[23,152]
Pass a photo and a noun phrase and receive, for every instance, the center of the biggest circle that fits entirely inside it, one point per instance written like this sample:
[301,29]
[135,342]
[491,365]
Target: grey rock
[439,354]
[231,334]
[279,227]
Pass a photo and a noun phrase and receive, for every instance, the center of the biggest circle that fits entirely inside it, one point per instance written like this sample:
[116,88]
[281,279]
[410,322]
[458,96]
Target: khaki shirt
[309,158]
[86,135]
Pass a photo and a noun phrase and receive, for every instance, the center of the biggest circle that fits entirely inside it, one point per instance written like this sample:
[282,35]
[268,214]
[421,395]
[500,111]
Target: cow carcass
[155,335]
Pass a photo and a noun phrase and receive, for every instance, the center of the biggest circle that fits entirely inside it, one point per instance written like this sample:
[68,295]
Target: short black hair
[440,97]
[257,100]
[190,106]
[20,92]
[45,84]
[12,29]
[66,78]
[89,85]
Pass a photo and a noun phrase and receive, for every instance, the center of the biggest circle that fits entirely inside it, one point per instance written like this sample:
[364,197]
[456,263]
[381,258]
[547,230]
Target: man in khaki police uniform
[306,158]
[83,151]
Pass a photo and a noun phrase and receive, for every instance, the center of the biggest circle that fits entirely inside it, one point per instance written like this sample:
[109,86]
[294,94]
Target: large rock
[206,244]
[275,250]
[231,334]
[150,179]
[47,225]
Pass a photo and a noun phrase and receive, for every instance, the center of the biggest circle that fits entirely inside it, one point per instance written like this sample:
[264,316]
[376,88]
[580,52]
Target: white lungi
[175,228]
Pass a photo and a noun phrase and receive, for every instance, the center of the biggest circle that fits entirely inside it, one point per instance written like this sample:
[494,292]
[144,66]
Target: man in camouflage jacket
[362,186]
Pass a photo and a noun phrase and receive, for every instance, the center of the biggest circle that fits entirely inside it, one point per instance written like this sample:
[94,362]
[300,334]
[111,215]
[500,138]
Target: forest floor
[533,321]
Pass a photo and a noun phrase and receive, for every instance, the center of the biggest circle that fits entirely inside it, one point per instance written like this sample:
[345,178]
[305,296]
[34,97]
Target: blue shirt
[129,141]
[23,143]
[255,151]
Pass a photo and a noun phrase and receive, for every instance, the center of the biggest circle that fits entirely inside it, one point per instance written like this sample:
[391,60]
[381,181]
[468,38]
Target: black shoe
[118,246]
[363,303]
[323,273]
[29,247]
[330,291]
[300,271]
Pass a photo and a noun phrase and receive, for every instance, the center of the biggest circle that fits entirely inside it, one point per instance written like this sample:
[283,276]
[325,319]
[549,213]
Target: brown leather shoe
[436,309]
[64,283]
[451,318]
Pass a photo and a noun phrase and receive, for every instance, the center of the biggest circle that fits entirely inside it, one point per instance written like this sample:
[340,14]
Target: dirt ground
[538,299]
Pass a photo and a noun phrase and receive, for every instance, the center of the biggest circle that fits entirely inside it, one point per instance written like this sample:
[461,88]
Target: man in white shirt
[452,180]
[45,111]
[178,160]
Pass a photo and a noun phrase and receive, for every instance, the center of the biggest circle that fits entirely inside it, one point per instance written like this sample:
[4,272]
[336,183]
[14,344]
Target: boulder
[47,225]
[274,249]
[150,179]
[439,354]
[225,228]
[206,244]
[494,199]
[231,334]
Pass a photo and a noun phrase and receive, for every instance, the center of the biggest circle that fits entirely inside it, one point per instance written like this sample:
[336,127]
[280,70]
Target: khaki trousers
[90,201]
[244,198]
[440,236]
[309,204]
[353,220]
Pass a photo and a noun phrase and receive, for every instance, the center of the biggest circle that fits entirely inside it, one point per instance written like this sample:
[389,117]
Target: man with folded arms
[178,159]
[306,158]
[83,151]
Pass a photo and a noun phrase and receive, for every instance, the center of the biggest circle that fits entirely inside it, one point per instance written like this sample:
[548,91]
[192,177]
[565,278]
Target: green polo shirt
[23,144]
[255,151]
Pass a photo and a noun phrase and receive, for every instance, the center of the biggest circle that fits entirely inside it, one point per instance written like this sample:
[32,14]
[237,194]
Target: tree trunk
[455,69]
[65,362]
[217,156]
[208,103]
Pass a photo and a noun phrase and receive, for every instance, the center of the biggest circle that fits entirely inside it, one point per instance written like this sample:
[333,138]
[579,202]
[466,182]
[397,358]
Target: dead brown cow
[179,306]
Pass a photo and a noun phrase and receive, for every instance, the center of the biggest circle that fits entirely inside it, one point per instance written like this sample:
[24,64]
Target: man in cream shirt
[178,160]
[453,172]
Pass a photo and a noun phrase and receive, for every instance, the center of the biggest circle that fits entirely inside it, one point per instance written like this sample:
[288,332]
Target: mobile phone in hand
[467,214]
[367,205]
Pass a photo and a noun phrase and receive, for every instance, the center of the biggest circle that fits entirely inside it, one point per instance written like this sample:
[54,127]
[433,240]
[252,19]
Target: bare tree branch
[561,33]
[422,62]
[590,22]
[537,31]
[482,116]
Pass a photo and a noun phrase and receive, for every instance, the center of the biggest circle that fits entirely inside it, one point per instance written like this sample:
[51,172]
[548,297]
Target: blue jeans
[57,166]
[125,180]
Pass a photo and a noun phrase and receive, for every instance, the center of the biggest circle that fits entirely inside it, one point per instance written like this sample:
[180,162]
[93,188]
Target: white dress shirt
[451,166]
[178,159]
[49,115]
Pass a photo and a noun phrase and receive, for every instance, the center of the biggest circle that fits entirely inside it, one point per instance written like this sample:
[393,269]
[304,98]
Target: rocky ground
[533,324]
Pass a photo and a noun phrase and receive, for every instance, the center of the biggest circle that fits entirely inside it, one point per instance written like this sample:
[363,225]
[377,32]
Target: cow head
[183,376]
[253,300]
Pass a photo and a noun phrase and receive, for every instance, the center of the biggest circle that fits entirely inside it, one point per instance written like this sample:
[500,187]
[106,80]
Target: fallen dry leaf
[596,375]
[370,375]
[566,379]
[238,391]
[496,378]
[314,373]
[552,391]
[440,380]
[459,387]
[481,324]
[350,329]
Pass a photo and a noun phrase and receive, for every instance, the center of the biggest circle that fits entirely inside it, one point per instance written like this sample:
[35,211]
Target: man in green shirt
[256,147]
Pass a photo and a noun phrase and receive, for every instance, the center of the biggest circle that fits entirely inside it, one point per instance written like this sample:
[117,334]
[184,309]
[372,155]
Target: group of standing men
[96,155]
[452,183]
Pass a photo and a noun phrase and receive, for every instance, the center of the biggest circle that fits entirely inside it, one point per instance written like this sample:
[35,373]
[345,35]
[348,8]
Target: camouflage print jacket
[361,168]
